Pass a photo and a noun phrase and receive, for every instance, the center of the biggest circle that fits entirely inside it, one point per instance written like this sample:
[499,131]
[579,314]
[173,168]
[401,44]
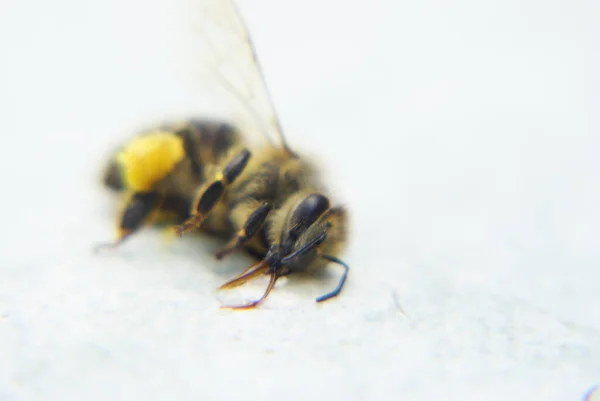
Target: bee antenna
[337,289]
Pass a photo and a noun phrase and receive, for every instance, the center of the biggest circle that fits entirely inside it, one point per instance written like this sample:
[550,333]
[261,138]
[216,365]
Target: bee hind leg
[138,209]
[211,194]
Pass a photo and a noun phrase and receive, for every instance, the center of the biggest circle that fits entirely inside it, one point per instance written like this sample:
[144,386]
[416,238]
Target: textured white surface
[463,135]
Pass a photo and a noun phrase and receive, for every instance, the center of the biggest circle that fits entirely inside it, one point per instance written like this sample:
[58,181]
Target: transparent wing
[219,51]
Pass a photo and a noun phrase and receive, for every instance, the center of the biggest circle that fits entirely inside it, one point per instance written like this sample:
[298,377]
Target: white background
[462,135]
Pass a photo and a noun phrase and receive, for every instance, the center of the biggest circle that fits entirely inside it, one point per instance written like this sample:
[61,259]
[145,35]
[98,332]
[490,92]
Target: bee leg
[309,246]
[213,193]
[138,209]
[252,224]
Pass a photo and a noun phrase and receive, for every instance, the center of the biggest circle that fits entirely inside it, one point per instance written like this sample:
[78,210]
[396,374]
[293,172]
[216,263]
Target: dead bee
[278,209]
[160,170]
[267,200]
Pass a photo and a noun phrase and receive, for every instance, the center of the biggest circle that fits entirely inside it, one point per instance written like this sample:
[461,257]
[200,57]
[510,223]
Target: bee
[269,200]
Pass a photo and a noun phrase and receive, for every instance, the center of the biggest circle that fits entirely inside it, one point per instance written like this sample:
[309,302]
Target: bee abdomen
[209,141]
[205,143]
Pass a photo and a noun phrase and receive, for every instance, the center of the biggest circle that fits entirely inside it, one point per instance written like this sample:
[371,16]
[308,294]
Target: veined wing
[222,52]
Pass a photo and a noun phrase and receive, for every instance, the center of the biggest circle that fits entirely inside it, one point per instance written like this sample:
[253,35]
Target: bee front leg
[138,209]
[251,225]
[211,194]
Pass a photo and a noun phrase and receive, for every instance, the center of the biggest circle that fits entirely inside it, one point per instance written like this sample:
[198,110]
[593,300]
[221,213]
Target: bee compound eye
[308,211]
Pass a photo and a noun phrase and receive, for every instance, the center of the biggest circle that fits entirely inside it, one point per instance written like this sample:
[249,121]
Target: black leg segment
[137,210]
[210,197]
[215,191]
[235,167]
[251,226]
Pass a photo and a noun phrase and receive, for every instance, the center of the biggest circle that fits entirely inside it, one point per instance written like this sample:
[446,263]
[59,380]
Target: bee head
[305,233]
[303,230]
